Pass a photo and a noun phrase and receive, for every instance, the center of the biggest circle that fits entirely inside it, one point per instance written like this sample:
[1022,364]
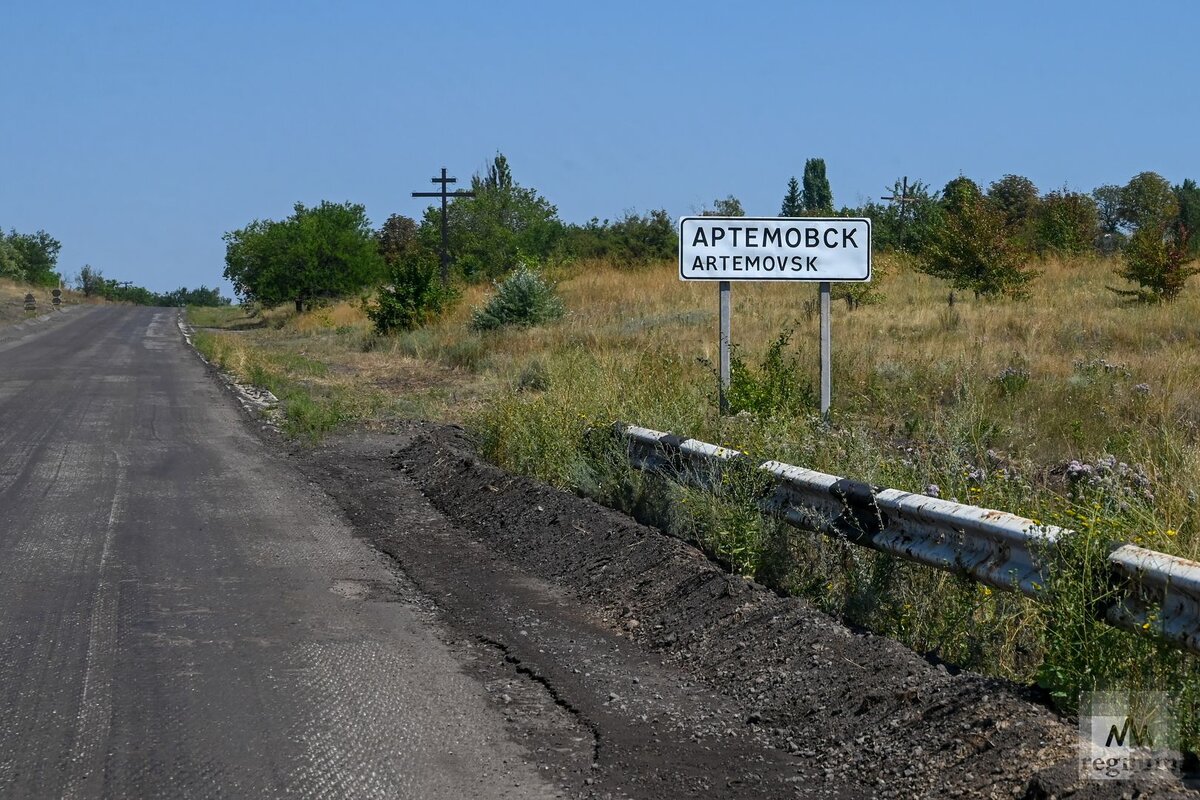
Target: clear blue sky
[137,133]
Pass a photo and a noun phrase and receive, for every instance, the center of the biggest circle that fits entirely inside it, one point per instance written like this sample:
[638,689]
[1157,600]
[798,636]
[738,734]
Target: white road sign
[774,249]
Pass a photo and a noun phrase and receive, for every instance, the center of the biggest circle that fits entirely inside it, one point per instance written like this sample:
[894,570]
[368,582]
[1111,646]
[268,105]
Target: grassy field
[1072,407]
[12,300]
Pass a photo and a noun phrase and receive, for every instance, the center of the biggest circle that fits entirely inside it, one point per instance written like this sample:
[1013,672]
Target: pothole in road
[356,589]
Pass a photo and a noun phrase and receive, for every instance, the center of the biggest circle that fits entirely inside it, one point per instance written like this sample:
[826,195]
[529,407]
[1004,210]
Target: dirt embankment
[689,681]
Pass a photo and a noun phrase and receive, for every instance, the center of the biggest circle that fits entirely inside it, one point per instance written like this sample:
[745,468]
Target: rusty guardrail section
[1158,591]
[1154,592]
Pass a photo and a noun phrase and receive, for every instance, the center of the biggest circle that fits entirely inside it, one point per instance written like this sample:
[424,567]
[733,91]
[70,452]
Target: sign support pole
[723,339]
[826,359]
[820,250]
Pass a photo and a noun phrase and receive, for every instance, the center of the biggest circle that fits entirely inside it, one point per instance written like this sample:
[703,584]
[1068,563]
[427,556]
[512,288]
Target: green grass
[311,408]
[988,401]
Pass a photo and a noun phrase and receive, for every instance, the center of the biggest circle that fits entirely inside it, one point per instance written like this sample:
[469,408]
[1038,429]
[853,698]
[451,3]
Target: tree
[37,254]
[397,239]
[818,197]
[324,251]
[499,176]
[1064,223]
[91,281]
[902,226]
[972,249]
[10,261]
[793,201]
[1147,200]
[491,232]
[183,296]
[729,207]
[642,239]
[1157,258]
[631,241]
[1187,195]
[1015,197]
[1108,207]
[1108,211]
[960,195]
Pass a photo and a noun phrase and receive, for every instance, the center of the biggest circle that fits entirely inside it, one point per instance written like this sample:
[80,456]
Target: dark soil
[668,677]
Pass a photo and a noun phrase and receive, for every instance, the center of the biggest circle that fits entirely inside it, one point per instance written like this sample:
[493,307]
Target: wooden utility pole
[903,198]
[445,195]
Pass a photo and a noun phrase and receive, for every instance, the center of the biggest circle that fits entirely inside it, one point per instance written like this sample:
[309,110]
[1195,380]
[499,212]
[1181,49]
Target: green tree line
[29,257]
[987,241]
[330,250]
[92,283]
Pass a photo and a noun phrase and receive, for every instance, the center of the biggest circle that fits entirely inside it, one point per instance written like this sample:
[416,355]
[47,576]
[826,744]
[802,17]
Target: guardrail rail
[1154,592]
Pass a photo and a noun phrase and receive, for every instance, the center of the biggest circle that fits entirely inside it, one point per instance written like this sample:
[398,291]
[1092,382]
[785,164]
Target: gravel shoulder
[635,667]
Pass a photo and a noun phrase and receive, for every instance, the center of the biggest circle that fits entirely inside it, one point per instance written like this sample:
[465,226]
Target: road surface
[189,611]
[182,616]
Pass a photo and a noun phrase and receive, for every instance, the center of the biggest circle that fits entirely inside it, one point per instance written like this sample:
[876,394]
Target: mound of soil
[755,694]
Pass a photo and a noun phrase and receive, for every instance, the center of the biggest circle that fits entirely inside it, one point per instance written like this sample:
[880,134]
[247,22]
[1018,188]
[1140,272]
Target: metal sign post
[809,249]
[723,338]
[826,348]
[445,195]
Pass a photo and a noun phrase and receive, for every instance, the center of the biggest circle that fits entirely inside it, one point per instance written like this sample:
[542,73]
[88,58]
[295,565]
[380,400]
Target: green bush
[1065,223]
[1157,259]
[523,299]
[634,240]
[414,296]
[972,247]
[776,386]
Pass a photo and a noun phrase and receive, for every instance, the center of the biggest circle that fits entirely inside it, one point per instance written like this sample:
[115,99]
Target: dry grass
[1091,374]
[987,399]
[12,300]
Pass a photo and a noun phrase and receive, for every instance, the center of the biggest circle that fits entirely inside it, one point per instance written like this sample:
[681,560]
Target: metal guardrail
[1154,592]
[1159,593]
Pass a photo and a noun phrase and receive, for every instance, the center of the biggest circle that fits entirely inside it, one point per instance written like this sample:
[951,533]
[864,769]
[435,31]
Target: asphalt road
[181,615]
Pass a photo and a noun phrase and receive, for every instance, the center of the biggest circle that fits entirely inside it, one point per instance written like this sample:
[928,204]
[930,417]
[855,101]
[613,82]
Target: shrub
[524,299]
[1065,223]
[634,240]
[1157,259]
[1012,380]
[972,247]
[1016,197]
[414,296]
[776,386]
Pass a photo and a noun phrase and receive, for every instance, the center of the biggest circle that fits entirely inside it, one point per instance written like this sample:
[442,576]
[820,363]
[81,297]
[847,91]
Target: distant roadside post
[806,249]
